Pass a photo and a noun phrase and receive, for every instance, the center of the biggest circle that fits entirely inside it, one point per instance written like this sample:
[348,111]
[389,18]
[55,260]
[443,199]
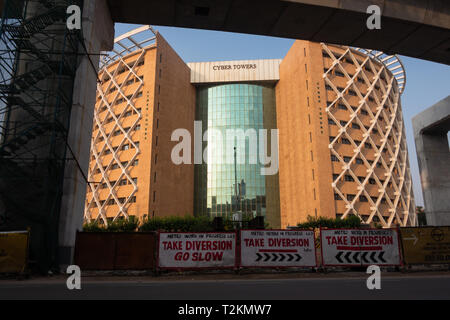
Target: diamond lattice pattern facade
[342,146]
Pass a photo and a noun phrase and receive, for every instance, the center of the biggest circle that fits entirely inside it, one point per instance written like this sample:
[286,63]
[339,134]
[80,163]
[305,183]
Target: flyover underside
[297,20]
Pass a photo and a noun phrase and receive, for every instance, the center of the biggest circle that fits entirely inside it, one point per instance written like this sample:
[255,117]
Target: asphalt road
[392,287]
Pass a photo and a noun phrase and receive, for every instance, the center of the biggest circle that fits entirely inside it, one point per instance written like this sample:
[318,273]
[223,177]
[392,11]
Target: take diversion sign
[356,247]
[277,248]
[180,250]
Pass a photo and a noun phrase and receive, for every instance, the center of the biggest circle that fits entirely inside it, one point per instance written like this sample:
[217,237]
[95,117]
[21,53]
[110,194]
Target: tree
[421,216]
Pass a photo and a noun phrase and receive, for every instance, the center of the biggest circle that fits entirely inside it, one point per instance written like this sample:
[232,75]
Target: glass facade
[224,111]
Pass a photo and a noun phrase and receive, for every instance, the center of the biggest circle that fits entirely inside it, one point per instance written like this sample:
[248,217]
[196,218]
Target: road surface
[399,286]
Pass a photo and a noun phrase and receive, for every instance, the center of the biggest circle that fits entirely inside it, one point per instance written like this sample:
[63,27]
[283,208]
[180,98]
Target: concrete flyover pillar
[98,33]
[430,133]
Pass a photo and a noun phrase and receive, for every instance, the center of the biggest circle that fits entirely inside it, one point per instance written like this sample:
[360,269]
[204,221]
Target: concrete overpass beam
[430,133]
[98,32]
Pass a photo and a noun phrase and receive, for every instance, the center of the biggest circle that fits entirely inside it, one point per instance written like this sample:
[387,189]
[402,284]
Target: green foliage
[93,226]
[421,216]
[323,222]
[169,224]
[123,225]
[177,224]
[119,225]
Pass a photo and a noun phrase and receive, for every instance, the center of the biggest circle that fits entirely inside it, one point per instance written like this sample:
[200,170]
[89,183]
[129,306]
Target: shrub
[123,225]
[93,226]
[119,225]
[177,224]
[324,222]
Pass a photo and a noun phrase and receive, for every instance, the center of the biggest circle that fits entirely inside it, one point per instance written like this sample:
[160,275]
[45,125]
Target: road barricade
[13,251]
[277,248]
[360,247]
[115,250]
[426,245]
[197,250]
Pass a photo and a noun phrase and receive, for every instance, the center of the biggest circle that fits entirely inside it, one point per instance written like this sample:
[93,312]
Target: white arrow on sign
[413,238]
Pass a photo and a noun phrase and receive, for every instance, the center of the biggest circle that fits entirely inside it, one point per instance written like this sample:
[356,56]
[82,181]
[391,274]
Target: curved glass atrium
[233,116]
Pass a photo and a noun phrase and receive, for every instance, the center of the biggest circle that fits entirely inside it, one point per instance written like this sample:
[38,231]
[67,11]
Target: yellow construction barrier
[13,251]
[426,245]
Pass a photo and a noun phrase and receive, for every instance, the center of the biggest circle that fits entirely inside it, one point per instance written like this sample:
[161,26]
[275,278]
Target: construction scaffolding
[38,60]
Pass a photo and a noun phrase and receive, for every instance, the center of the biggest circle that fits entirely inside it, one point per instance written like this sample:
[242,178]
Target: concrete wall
[430,134]
[98,31]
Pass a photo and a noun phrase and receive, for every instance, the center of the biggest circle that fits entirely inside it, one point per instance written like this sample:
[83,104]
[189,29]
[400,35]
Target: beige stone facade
[342,148]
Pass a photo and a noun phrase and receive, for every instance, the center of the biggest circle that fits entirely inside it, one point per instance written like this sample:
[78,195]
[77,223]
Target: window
[332,139]
[352,93]
[349,178]
[362,198]
[359,161]
[350,197]
[334,158]
[328,87]
[355,126]
[367,145]
[123,182]
[125,147]
[335,176]
[342,106]
[364,112]
[345,141]
[347,159]
[339,74]
[343,123]
[337,197]
[330,121]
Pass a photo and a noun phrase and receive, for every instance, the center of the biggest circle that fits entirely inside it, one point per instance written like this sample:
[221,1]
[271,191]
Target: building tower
[342,138]
[341,144]
[143,95]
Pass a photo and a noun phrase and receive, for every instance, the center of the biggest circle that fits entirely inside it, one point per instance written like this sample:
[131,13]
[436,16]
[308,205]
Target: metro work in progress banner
[360,247]
[277,248]
[180,250]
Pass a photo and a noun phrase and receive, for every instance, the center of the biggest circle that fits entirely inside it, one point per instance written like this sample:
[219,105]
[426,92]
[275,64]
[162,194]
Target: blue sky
[426,82]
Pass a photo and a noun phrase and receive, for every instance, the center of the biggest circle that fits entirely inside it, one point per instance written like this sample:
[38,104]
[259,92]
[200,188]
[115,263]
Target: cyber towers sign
[235,71]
